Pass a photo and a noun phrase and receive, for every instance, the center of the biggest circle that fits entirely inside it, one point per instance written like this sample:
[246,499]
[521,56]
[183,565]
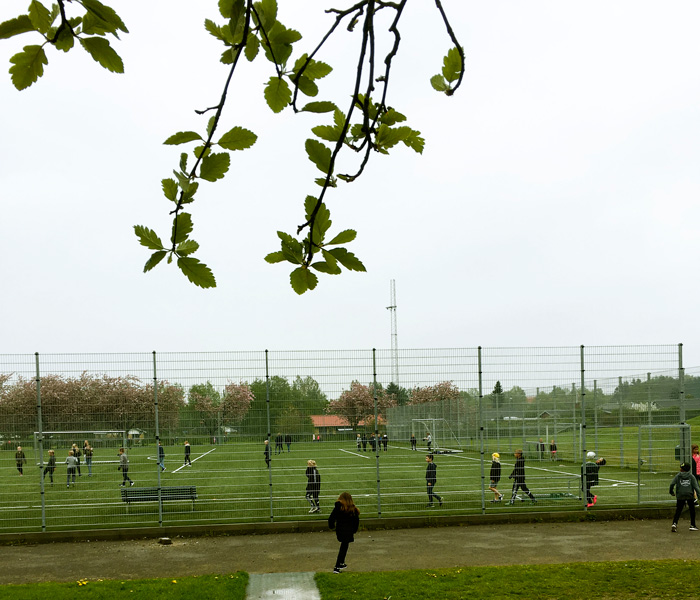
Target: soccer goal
[62,441]
[443,437]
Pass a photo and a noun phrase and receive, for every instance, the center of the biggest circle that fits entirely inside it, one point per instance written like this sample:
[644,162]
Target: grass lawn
[672,579]
[234,485]
[211,587]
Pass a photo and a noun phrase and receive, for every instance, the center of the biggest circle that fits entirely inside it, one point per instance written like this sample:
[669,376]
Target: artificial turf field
[234,485]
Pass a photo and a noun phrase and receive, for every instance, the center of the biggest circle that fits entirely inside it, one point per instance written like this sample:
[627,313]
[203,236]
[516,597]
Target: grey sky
[556,202]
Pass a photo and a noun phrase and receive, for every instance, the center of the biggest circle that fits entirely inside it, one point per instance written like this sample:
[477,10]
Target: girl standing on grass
[51,466]
[345,519]
[495,476]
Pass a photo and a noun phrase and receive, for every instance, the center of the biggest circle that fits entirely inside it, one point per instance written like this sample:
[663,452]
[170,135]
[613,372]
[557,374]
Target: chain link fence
[226,437]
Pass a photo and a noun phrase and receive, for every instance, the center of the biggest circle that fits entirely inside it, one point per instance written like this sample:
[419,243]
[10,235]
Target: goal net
[62,441]
[440,431]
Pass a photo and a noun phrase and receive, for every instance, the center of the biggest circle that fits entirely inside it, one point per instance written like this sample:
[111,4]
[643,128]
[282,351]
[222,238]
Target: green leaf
[183,164]
[237,138]
[252,47]
[321,181]
[322,221]
[438,82]
[331,261]
[388,137]
[188,194]
[291,248]
[215,166]
[302,280]
[343,237]
[214,29]
[327,132]
[414,141]
[317,69]
[147,237]
[319,154]
[226,8]
[65,40]
[324,267]
[187,247]
[182,137]
[452,65]
[200,151]
[103,53]
[170,189]
[277,94]
[347,259]
[210,124]
[28,66]
[40,16]
[319,107]
[275,257]
[391,117]
[16,26]
[182,227]
[269,7]
[307,86]
[197,272]
[105,14]
[156,257]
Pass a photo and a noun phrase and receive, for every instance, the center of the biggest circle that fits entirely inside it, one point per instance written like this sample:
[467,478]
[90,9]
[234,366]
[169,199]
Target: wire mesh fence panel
[234,437]
[658,461]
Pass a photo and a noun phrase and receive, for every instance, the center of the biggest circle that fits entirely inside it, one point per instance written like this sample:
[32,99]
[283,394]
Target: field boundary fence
[235,433]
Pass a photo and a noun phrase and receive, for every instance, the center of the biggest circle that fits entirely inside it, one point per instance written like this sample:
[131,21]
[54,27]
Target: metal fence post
[40,429]
[621,421]
[376,429]
[155,405]
[481,434]
[269,432]
[649,419]
[583,428]
[595,412]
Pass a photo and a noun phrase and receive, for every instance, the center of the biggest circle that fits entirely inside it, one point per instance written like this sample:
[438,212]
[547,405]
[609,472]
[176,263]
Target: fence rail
[367,424]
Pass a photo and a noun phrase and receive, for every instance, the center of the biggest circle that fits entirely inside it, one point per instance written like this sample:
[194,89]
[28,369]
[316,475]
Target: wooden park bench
[167,493]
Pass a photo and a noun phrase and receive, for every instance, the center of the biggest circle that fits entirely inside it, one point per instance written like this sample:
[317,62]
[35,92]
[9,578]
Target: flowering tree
[236,402]
[432,393]
[87,402]
[357,403]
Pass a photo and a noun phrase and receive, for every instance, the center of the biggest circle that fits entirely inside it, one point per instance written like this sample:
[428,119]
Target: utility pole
[394,336]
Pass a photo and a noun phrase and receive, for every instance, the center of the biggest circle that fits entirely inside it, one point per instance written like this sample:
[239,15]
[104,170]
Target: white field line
[355,454]
[195,460]
[544,469]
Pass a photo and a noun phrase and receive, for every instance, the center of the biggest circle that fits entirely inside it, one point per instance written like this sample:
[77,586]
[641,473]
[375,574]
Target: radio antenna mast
[394,336]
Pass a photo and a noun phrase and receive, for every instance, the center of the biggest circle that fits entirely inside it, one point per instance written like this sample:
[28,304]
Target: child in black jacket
[345,519]
[683,487]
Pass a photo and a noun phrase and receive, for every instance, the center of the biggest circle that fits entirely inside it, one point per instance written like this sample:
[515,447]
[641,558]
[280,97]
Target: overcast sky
[556,202]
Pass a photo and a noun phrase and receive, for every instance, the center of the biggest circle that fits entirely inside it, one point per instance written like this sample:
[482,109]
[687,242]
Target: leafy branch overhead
[367,125]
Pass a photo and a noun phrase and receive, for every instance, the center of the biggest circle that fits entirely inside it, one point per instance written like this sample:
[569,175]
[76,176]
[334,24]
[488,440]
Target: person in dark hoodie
[518,477]
[683,487]
[345,519]
[431,480]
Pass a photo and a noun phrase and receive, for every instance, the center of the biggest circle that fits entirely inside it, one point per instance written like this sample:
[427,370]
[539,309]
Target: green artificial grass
[234,485]
[632,580]
[211,587]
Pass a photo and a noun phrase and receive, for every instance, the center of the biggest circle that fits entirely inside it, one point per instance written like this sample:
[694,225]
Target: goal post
[440,431]
[64,440]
